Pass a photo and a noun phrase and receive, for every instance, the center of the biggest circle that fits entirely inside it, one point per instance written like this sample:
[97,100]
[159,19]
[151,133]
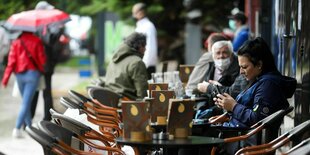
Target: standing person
[126,73]
[26,59]
[238,24]
[144,25]
[53,47]
[4,48]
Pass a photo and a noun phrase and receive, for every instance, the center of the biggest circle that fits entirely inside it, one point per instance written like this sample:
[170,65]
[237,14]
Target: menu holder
[136,120]
[159,105]
[180,116]
[157,86]
[185,71]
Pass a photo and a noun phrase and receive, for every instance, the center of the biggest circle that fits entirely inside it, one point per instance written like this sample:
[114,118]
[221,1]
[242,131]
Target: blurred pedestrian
[26,59]
[52,47]
[238,24]
[4,48]
[144,25]
[126,73]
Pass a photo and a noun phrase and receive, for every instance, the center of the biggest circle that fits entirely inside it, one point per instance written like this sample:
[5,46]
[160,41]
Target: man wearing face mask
[238,24]
[224,71]
[225,67]
[144,25]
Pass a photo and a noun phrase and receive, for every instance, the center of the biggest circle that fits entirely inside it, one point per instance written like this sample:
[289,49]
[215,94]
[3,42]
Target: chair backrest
[271,125]
[69,103]
[78,96]
[275,117]
[278,142]
[46,141]
[104,96]
[63,137]
[70,123]
[301,148]
[56,131]
[296,133]
[80,128]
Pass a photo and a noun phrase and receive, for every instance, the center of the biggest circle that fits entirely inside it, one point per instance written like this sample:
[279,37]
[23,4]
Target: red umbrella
[35,20]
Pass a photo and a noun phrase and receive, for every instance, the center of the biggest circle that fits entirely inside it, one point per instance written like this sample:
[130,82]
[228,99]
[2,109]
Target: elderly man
[126,73]
[224,72]
[225,67]
[144,25]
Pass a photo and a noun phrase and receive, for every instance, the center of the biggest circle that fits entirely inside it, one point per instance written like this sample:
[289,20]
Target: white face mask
[222,64]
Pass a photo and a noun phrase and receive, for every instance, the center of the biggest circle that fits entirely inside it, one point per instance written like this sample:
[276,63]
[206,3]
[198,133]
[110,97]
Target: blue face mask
[232,24]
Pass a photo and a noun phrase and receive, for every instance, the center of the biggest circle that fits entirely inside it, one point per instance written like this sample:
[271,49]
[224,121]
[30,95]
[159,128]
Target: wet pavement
[9,107]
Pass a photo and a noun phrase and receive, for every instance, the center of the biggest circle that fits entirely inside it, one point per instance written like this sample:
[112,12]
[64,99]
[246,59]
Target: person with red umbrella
[53,49]
[26,60]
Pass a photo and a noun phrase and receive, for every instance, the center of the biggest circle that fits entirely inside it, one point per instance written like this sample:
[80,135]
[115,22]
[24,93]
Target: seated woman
[267,92]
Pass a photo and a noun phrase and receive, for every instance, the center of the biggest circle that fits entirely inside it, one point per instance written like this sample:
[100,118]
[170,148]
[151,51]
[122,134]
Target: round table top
[191,141]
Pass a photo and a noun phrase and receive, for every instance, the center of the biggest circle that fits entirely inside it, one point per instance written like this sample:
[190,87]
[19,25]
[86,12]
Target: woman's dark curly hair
[136,40]
[257,50]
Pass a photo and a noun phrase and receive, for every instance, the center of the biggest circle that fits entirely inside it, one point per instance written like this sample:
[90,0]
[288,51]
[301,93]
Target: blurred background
[97,27]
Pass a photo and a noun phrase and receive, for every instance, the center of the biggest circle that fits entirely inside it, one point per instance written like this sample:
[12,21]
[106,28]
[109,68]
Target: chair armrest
[219,119]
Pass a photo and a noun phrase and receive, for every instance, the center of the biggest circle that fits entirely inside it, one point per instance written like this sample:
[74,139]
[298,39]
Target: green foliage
[7,8]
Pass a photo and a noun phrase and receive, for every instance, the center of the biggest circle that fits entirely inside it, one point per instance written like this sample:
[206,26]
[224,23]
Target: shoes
[17,133]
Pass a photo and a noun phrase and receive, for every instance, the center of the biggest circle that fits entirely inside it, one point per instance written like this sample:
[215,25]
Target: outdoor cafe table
[172,145]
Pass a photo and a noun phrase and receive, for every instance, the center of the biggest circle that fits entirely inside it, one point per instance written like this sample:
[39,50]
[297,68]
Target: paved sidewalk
[9,107]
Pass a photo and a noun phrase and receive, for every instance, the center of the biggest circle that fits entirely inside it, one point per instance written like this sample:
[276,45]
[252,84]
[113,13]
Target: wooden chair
[270,124]
[66,136]
[285,138]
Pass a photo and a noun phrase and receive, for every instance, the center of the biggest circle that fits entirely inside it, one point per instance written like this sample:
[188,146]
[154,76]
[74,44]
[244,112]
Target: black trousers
[47,97]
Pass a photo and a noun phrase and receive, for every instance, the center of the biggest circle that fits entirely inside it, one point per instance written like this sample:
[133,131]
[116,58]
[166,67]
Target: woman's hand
[202,87]
[225,101]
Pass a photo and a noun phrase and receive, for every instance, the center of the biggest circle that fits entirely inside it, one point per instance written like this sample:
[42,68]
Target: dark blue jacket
[239,39]
[266,95]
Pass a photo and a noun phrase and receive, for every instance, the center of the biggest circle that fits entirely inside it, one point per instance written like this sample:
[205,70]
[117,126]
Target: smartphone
[217,90]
